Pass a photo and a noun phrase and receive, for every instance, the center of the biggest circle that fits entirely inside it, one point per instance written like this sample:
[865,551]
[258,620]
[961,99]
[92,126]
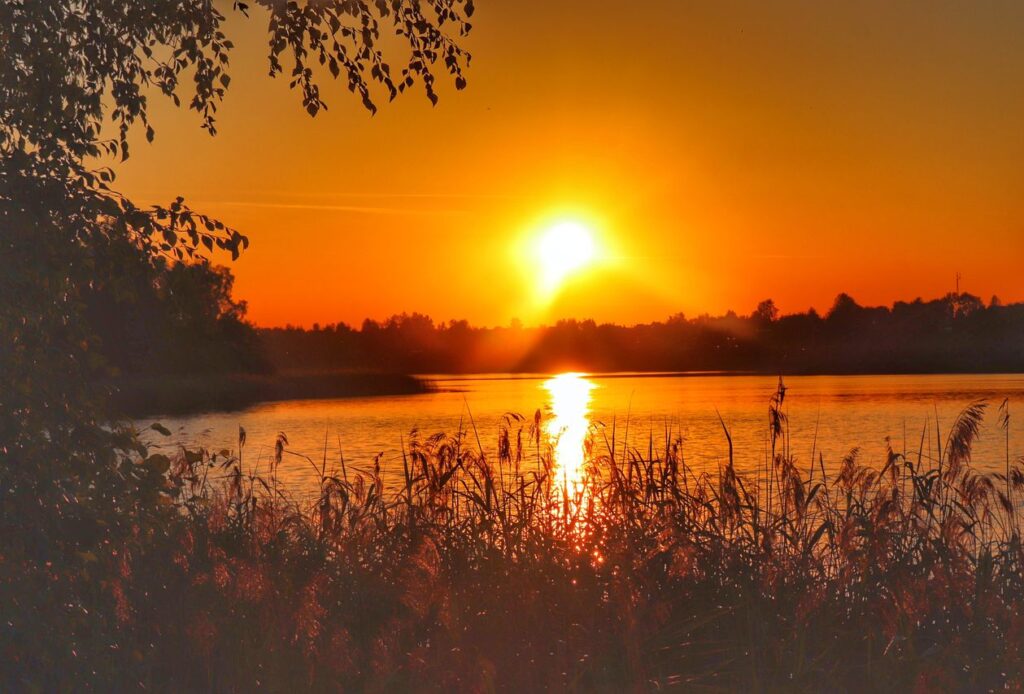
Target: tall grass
[485,573]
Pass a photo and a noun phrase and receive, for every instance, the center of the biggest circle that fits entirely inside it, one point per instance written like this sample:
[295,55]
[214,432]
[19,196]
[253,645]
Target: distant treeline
[957,333]
[154,319]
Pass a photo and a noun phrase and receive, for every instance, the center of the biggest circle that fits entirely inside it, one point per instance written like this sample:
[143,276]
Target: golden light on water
[568,426]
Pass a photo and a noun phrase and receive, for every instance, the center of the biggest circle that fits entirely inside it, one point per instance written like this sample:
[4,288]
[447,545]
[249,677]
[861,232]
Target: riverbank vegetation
[96,285]
[957,333]
[493,573]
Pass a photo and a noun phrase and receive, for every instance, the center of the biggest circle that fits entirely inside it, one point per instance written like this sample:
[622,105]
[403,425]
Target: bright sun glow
[564,249]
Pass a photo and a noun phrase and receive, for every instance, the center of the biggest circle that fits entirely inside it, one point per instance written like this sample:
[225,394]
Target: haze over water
[830,414]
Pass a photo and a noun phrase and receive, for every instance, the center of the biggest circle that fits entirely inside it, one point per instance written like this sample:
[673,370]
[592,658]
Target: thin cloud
[358,209]
[400,195]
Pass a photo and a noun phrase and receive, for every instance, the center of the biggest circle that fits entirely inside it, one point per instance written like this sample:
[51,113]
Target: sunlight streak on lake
[828,415]
[569,422]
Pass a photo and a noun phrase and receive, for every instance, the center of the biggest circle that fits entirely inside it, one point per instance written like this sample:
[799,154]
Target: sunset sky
[718,152]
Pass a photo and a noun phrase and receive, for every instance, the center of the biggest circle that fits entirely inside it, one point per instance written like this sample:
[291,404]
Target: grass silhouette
[483,573]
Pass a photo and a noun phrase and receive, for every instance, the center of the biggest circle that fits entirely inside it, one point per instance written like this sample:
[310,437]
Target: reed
[482,574]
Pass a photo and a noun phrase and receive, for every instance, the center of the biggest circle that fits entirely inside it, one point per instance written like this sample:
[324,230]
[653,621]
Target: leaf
[158,463]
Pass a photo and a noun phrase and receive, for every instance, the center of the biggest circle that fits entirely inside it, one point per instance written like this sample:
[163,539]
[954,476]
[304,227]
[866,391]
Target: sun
[564,249]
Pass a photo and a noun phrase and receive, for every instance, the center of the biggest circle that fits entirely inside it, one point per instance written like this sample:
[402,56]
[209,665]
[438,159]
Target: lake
[828,414]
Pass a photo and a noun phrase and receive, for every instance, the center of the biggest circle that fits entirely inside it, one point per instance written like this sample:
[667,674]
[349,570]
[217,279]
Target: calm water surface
[829,414]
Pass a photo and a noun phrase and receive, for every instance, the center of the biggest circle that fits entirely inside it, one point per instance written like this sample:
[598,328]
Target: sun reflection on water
[569,424]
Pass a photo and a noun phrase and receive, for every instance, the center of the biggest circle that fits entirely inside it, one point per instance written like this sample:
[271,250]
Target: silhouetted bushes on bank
[957,333]
[154,317]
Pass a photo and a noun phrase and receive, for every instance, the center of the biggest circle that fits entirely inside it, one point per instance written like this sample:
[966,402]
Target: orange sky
[725,152]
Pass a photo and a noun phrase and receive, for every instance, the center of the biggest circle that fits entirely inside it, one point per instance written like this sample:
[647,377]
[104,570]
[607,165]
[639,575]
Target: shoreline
[137,397]
[712,373]
[169,395]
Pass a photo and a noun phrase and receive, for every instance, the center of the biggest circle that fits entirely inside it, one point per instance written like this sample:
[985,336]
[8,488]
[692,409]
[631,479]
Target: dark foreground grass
[485,574]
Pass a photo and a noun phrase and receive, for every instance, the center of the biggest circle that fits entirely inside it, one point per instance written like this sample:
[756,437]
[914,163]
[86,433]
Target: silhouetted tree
[844,305]
[766,312]
[73,490]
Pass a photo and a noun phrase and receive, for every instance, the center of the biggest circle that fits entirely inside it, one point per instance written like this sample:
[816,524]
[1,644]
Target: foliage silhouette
[76,493]
[956,333]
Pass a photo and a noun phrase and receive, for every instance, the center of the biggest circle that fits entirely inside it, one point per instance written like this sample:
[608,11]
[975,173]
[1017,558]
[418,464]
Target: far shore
[171,395]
